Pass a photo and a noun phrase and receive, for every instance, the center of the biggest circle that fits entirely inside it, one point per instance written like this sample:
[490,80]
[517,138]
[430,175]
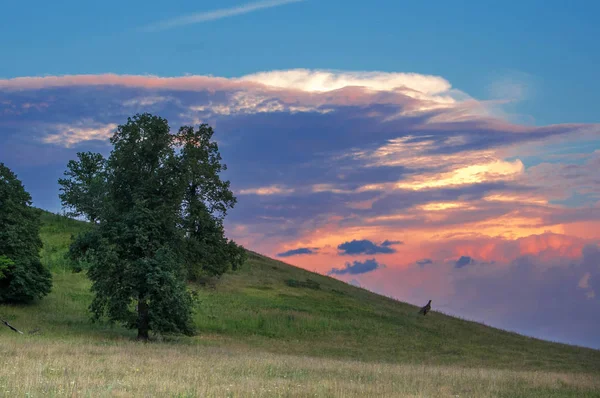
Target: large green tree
[23,278]
[158,219]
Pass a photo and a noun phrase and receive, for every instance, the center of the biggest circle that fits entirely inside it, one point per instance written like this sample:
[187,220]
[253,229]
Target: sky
[422,150]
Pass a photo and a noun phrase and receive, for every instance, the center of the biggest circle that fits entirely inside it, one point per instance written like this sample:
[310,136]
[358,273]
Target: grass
[56,232]
[120,368]
[271,329]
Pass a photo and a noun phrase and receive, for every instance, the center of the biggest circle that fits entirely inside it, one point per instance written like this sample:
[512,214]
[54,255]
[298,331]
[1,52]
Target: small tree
[161,199]
[23,278]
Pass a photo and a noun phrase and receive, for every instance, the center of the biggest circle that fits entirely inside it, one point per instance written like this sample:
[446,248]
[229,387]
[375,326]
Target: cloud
[69,135]
[324,80]
[424,262]
[357,267]
[321,157]
[216,14]
[463,261]
[550,297]
[271,190]
[354,282]
[584,283]
[296,252]
[365,246]
[387,243]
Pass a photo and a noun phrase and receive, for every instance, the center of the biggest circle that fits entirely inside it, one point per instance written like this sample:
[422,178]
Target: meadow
[271,329]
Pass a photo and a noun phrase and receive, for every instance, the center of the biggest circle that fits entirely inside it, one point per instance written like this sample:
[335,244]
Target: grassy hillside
[274,324]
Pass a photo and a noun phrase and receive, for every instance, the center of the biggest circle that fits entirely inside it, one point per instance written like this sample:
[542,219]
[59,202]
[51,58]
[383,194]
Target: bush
[310,284]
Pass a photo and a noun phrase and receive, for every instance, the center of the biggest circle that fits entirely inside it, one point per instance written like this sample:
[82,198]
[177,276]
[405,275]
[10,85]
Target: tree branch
[9,325]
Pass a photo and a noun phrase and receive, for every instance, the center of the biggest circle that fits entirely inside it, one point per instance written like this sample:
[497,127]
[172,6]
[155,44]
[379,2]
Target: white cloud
[498,170]
[245,102]
[69,135]
[324,80]
[270,190]
[216,14]
[432,91]
[146,101]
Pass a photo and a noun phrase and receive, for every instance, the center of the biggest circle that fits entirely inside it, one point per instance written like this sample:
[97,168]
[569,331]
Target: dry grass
[33,367]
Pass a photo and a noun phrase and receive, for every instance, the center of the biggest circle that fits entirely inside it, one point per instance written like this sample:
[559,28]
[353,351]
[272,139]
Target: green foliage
[79,249]
[204,203]
[5,264]
[206,199]
[159,219]
[84,189]
[23,278]
[207,252]
[133,253]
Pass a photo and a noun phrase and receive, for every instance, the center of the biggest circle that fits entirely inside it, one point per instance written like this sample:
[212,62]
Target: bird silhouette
[426,309]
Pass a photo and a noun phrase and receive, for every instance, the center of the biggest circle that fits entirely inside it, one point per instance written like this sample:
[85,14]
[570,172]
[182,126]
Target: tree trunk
[143,321]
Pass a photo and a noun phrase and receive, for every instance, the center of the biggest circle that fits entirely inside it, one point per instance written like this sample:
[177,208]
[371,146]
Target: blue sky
[548,48]
[378,142]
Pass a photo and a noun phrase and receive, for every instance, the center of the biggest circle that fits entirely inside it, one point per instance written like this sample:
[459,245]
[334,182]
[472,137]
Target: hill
[286,325]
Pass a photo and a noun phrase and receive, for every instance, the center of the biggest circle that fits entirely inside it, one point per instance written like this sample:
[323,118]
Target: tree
[205,203]
[23,278]
[162,199]
[84,188]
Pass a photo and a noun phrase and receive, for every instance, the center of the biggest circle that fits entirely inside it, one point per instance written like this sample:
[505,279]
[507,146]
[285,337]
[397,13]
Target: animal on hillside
[425,309]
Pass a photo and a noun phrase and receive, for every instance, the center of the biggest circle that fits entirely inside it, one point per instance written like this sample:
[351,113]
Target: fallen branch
[12,327]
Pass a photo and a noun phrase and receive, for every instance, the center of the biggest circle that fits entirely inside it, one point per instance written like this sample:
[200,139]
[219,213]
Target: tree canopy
[23,278]
[158,205]
[84,188]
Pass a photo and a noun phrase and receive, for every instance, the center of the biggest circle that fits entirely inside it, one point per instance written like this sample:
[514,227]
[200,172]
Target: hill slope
[274,308]
[270,304]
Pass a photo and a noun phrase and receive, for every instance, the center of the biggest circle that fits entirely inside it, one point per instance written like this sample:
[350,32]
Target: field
[271,329]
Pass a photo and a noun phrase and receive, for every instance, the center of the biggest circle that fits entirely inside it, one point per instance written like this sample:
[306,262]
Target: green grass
[272,310]
[56,235]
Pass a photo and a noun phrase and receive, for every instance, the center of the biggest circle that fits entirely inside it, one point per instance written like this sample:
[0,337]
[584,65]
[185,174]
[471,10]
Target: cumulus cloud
[323,80]
[357,267]
[365,246]
[297,252]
